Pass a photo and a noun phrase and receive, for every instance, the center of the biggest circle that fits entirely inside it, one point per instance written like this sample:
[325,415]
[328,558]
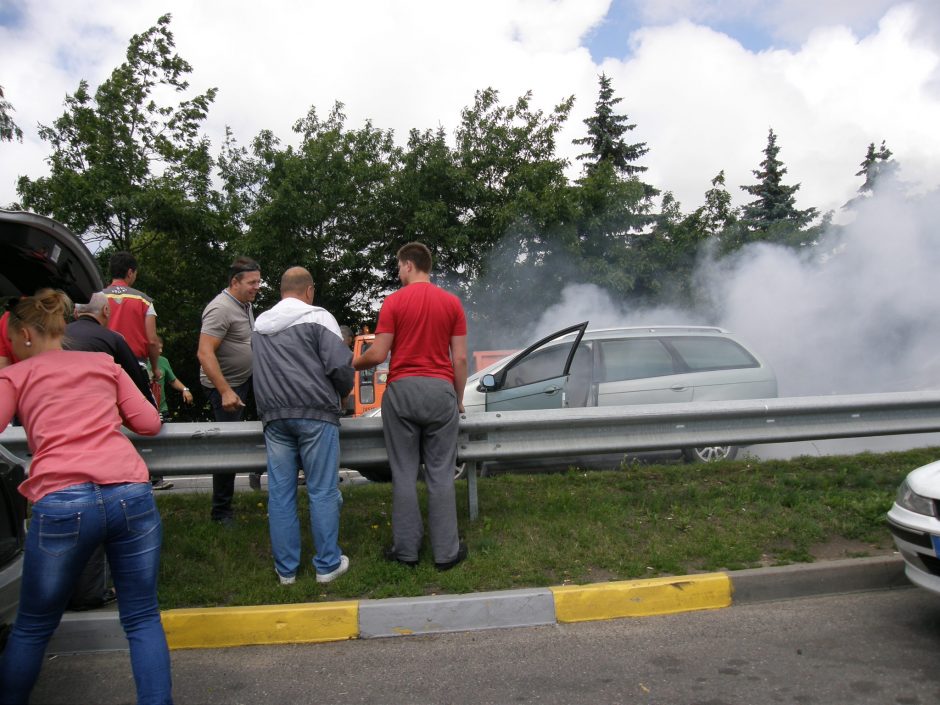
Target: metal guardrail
[208,448]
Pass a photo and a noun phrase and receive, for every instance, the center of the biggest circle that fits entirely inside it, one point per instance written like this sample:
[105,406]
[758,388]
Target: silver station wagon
[577,367]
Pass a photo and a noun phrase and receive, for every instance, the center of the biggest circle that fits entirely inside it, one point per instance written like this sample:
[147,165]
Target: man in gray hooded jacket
[301,371]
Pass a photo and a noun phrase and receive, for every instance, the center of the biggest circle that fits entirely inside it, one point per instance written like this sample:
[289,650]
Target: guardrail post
[472,500]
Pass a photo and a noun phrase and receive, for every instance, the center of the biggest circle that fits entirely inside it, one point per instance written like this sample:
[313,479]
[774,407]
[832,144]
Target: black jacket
[87,335]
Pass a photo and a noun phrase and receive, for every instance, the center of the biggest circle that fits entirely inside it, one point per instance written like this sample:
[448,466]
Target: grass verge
[541,530]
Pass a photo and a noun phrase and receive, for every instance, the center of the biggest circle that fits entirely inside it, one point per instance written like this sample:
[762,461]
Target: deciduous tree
[119,157]
[9,130]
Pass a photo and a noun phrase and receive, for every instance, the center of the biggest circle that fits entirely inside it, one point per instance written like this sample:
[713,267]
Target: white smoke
[858,313]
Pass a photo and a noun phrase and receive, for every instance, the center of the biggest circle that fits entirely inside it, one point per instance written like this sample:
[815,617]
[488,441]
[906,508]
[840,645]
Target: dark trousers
[223,484]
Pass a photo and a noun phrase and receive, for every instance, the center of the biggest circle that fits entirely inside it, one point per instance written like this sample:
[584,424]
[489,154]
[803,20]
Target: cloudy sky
[702,79]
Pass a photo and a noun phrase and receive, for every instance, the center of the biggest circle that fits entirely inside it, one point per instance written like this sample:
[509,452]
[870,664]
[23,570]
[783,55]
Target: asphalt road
[867,648]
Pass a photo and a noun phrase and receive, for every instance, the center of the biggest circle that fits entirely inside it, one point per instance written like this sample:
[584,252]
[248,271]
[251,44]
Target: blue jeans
[66,526]
[313,445]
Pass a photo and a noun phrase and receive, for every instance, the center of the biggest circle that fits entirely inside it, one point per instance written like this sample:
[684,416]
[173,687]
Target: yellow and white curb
[364,619]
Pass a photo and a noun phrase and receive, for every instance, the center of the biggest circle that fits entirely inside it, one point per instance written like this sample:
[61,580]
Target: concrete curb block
[218,627]
[829,577]
[641,598]
[455,613]
[364,619]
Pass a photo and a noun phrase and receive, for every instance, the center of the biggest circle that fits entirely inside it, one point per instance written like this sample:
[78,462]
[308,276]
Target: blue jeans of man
[223,484]
[314,446]
[65,528]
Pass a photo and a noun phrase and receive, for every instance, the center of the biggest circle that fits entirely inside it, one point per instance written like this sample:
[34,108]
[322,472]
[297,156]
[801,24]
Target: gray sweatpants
[419,418]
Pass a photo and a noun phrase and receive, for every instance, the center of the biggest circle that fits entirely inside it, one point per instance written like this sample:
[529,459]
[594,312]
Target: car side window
[635,359]
[703,353]
[540,364]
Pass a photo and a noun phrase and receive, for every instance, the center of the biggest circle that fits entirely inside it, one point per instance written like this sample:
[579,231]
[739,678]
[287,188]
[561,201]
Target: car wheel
[376,474]
[710,454]
[385,474]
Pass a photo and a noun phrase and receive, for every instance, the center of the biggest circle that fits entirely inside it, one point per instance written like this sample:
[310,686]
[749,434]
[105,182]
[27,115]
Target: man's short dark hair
[121,263]
[418,254]
[240,267]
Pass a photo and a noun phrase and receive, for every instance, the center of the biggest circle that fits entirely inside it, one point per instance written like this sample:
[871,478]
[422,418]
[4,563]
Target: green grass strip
[539,530]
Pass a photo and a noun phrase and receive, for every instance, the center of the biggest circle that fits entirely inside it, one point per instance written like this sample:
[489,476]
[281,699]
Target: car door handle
[551,390]
[679,387]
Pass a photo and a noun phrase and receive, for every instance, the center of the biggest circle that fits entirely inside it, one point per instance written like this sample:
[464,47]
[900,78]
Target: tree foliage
[773,216]
[325,205]
[119,158]
[507,227]
[606,136]
[9,130]
[876,165]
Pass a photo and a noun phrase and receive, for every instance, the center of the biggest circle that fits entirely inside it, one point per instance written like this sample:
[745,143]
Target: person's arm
[153,344]
[208,344]
[174,382]
[7,403]
[376,354]
[138,414]
[180,387]
[458,353]
[337,359]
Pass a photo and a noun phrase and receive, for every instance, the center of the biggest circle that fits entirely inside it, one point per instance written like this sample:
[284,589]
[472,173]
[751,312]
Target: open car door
[538,377]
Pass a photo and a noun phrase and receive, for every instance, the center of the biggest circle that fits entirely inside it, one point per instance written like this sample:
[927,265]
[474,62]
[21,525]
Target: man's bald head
[297,283]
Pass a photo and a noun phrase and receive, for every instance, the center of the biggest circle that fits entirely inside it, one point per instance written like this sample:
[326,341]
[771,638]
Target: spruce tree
[875,166]
[773,214]
[606,138]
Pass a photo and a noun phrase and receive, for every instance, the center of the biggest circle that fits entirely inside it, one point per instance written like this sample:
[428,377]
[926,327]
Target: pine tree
[875,166]
[606,133]
[773,214]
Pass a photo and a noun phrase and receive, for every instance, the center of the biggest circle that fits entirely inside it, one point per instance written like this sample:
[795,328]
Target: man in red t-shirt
[425,329]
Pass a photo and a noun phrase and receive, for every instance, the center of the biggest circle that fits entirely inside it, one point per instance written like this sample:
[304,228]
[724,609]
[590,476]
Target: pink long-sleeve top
[72,405]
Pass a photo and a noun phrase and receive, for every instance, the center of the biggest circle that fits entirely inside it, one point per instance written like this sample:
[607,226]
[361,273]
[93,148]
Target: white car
[914,521]
[577,367]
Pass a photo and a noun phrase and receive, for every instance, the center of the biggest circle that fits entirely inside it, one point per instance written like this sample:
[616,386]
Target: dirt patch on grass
[838,548]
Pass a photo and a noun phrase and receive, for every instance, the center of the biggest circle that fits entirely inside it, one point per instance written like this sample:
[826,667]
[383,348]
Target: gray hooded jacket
[300,365]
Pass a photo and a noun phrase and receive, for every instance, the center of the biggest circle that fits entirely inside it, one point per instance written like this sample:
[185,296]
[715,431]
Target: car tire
[710,454]
[376,474]
[385,474]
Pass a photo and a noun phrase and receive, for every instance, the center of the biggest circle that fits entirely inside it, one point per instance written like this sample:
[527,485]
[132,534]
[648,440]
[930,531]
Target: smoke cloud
[858,313]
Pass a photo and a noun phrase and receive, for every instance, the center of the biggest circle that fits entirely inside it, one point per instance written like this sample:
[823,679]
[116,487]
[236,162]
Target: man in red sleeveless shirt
[425,329]
[132,311]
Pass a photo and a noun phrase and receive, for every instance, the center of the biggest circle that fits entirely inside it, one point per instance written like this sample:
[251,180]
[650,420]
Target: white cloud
[786,20]
[700,101]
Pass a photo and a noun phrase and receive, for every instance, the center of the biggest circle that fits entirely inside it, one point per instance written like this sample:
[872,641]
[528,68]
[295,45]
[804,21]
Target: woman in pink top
[89,487]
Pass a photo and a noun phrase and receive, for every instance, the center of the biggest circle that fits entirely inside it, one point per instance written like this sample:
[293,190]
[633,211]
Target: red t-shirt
[423,318]
[6,350]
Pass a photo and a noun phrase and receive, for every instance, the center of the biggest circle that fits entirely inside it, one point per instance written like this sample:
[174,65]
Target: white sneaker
[334,574]
[286,581]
